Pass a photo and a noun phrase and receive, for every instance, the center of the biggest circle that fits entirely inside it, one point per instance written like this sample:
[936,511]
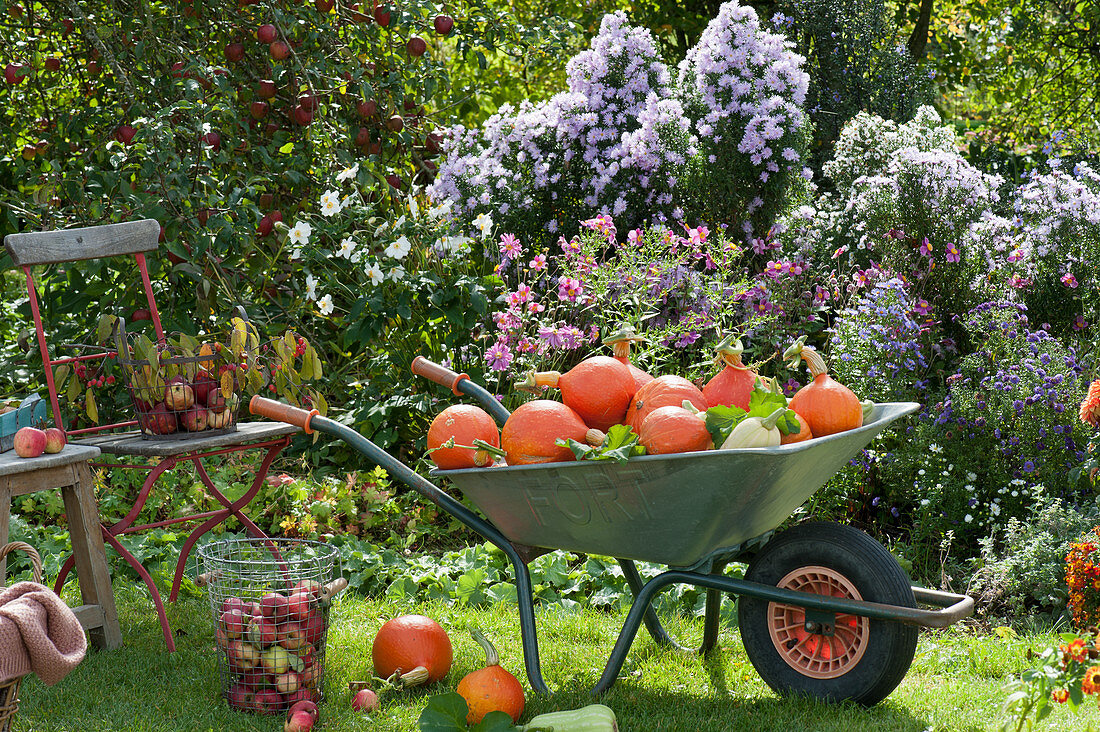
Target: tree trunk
[918,41]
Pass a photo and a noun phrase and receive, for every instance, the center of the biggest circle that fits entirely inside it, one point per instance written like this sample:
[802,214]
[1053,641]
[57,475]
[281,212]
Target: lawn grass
[954,684]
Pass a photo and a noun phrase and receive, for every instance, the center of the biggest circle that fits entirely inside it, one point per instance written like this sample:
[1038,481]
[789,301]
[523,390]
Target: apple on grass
[365,700]
[30,442]
[298,722]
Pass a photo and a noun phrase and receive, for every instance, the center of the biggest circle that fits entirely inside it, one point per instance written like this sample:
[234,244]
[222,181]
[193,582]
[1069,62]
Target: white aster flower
[483,223]
[311,287]
[348,173]
[347,248]
[399,248]
[325,305]
[374,274]
[300,233]
[330,203]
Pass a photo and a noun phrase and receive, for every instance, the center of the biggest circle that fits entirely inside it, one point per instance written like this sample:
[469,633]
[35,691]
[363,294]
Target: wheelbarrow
[824,610]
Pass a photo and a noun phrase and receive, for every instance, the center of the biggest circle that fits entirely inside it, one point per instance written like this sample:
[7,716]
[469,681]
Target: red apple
[299,722]
[262,632]
[201,386]
[234,621]
[323,6]
[301,115]
[365,700]
[266,33]
[292,637]
[267,701]
[266,89]
[234,52]
[194,419]
[55,440]
[433,143]
[287,683]
[416,46]
[266,226]
[258,109]
[362,137]
[299,605]
[314,626]
[275,660]
[179,396]
[53,64]
[242,656]
[29,152]
[217,420]
[29,442]
[125,134]
[304,704]
[15,73]
[382,15]
[279,50]
[443,24]
[92,67]
[395,181]
[214,140]
[274,605]
[395,123]
[367,109]
[160,420]
[231,603]
[239,696]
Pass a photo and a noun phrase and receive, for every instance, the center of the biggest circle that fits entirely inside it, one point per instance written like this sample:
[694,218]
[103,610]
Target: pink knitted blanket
[39,633]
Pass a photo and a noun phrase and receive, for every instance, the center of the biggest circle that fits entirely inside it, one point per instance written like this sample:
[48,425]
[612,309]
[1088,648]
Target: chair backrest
[28,249]
[91,242]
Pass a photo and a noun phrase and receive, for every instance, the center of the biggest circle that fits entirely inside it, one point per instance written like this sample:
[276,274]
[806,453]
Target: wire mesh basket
[270,600]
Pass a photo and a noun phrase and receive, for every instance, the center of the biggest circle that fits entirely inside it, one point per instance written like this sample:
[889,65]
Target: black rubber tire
[878,578]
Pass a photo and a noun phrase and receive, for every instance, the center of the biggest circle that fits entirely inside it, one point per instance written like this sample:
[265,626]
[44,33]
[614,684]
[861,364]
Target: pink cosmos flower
[1069,280]
[925,248]
[952,253]
[570,289]
[634,237]
[499,356]
[538,263]
[510,246]
[521,295]
[923,307]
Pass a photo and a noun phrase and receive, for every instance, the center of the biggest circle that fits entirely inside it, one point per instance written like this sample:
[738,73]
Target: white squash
[755,432]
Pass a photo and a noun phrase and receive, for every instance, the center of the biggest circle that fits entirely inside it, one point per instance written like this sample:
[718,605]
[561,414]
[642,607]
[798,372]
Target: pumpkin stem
[535,381]
[770,422]
[483,446]
[693,409]
[416,677]
[729,353]
[620,340]
[492,658]
[594,437]
[800,351]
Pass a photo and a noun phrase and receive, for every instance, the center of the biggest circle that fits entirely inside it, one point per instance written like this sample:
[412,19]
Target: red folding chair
[136,238]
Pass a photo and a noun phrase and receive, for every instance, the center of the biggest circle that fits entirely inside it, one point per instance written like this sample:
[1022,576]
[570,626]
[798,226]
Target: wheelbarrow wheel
[863,660]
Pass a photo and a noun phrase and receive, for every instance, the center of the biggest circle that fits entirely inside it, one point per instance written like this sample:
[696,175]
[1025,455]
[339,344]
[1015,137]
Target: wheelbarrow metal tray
[668,509]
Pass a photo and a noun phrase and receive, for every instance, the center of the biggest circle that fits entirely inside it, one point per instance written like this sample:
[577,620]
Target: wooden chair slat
[92,242]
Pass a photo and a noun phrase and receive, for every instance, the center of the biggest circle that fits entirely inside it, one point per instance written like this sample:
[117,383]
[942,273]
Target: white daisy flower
[347,248]
[441,210]
[300,233]
[374,274]
[483,223]
[311,287]
[348,173]
[325,305]
[396,273]
[330,203]
[399,248]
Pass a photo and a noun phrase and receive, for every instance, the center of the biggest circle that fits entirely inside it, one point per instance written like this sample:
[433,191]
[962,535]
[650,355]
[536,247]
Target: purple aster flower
[952,253]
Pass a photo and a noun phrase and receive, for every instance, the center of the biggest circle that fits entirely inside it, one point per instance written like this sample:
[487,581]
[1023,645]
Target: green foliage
[857,62]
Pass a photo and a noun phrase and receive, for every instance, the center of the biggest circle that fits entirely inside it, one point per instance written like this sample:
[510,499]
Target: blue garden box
[31,412]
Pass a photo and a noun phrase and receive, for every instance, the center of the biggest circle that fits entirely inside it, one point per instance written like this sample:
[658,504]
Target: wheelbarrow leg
[711,617]
[652,622]
[528,632]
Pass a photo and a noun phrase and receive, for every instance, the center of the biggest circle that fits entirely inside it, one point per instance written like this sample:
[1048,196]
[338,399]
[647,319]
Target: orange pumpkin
[664,391]
[491,688]
[672,429]
[802,435]
[463,423]
[529,434]
[598,389]
[620,346]
[414,645]
[733,385]
[827,405]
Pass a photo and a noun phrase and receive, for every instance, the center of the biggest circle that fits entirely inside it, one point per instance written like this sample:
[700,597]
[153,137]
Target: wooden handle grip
[280,412]
[439,374]
[332,589]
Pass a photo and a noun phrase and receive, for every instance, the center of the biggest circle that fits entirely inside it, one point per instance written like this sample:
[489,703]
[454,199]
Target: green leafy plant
[1066,674]
[619,444]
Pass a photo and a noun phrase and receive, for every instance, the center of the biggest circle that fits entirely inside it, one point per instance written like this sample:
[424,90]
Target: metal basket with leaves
[188,386]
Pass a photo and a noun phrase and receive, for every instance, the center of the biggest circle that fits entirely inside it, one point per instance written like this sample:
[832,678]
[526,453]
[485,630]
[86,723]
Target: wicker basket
[9,690]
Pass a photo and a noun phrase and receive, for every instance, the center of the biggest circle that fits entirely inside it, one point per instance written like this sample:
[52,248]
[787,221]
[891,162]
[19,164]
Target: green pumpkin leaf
[620,444]
[444,713]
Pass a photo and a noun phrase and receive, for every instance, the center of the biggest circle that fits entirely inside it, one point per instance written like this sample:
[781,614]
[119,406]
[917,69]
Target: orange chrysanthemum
[1091,683]
[1077,650]
[1060,695]
[1090,408]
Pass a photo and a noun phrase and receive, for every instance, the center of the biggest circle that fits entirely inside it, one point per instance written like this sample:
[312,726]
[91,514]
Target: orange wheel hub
[812,654]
